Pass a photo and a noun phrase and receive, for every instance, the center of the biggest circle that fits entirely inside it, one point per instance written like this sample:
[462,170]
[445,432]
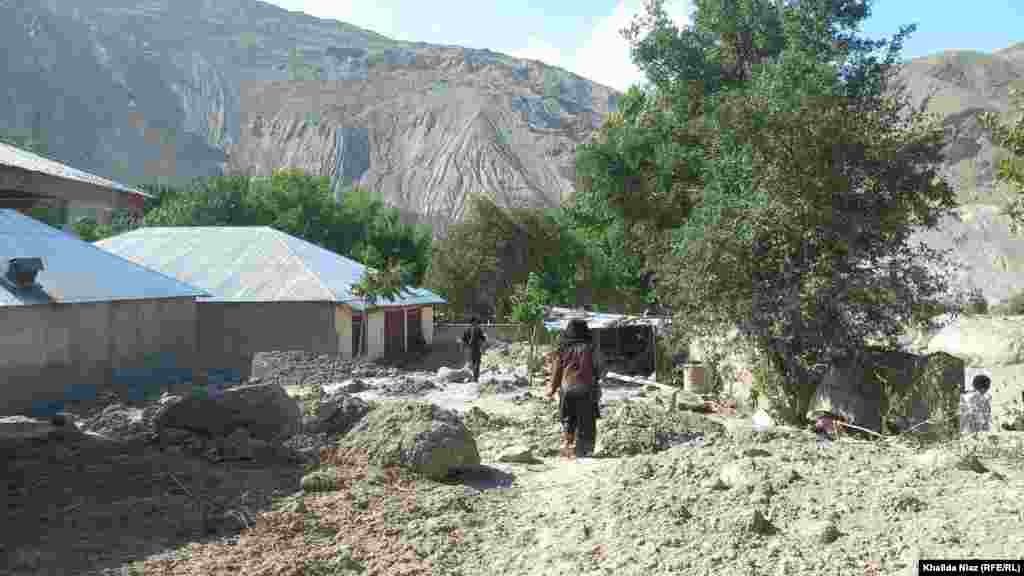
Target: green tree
[374,286]
[528,303]
[771,176]
[1010,170]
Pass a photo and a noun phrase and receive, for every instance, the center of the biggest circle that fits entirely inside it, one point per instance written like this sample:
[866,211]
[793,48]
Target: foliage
[528,303]
[771,176]
[479,261]
[1011,168]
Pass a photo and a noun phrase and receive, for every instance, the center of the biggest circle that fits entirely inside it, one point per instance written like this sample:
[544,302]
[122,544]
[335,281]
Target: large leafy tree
[771,175]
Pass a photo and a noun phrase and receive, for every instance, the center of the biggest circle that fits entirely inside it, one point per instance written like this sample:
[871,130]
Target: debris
[419,436]
[518,455]
[337,413]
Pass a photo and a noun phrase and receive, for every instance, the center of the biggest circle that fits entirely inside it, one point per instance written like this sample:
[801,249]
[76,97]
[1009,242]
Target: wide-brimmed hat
[577,331]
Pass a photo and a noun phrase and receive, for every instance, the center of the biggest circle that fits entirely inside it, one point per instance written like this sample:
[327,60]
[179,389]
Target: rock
[408,386]
[352,386]
[820,531]
[522,372]
[265,410]
[337,414]
[18,429]
[418,436]
[518,455]
[123,423]
[237,446]
[846,391]
[453,375]
[501,383]
[759,524]
[323,480]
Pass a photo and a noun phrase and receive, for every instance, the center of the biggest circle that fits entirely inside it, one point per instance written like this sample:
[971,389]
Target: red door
[394,336]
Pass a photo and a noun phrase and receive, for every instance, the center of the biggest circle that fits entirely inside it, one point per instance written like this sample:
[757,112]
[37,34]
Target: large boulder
[337,413]
[418,436]
[448,375]
[847,391]
[264,410]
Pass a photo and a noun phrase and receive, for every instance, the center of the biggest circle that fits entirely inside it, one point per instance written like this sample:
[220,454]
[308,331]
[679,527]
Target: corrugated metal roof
[25,160]
[558,319]
[75,271]
[251,264]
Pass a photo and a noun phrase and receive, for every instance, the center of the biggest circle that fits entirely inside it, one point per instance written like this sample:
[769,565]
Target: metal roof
[252,264]
[558,318]
[75,271]
[14,157]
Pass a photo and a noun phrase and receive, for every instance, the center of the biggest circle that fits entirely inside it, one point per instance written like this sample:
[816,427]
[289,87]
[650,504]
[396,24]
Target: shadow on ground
[90,506]
[482,477]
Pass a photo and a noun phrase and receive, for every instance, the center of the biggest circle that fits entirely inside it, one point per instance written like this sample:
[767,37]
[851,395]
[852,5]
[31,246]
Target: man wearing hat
[575,377]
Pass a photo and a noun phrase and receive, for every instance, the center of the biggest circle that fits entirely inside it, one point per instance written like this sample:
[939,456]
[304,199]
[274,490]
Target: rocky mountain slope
[139,90]
[960,86]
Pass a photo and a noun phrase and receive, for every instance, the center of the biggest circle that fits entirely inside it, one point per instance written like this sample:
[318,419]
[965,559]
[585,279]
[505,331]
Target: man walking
[474,339]
[575,377]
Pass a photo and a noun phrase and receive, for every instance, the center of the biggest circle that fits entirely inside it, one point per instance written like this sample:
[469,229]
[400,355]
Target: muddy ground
[667,494]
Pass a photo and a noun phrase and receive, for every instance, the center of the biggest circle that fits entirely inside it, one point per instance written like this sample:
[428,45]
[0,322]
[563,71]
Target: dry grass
[333,534]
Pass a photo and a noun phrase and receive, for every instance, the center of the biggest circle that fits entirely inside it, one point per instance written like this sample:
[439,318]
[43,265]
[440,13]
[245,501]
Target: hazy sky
[583,35]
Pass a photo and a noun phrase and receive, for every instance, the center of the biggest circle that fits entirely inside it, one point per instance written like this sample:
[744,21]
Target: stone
[820,531]
[453,375]
[518,455]
[351,386]
[265,410]
[758,523]
[123,423]
[846,391]
[418,436]
[337,413]
[324,480]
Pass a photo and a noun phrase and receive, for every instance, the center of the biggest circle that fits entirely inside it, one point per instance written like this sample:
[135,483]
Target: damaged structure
[628,343]
[270,291]
[75,319]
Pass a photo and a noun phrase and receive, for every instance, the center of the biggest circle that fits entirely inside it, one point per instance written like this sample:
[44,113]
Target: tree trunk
[529,363]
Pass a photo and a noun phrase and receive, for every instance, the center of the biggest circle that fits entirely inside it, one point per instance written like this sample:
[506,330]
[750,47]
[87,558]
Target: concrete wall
[343,327]
[375,342]
[427,321]
[231,333]
[59,353]
[503,332]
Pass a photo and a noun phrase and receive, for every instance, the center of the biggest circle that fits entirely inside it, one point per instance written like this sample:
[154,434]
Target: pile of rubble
[290,368]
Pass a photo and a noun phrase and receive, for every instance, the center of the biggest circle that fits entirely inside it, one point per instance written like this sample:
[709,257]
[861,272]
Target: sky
[582,36]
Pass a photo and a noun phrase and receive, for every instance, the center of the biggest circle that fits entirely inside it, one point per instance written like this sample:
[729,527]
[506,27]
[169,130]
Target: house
[75,319]
[628,343]
[271,291]
[28,180]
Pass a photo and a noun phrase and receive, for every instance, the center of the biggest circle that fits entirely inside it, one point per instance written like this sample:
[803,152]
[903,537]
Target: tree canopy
[1010,135]
[770,176]
[360,226]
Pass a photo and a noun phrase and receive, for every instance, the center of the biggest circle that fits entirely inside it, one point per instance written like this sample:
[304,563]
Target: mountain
[138,90]
[142,90]
[959,86]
